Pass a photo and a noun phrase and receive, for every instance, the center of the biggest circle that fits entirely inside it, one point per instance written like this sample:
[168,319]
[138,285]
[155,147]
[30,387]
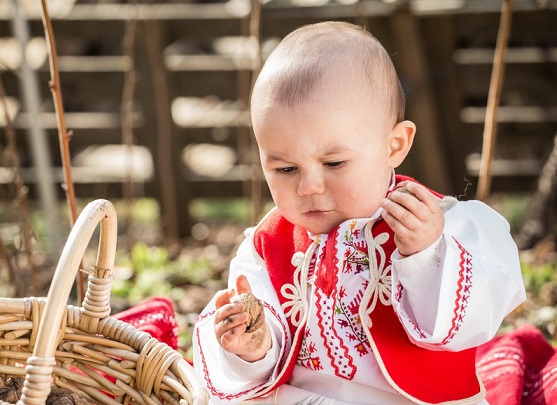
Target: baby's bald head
[300,66]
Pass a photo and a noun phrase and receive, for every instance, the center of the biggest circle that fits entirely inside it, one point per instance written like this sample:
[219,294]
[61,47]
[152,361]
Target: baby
[375,289]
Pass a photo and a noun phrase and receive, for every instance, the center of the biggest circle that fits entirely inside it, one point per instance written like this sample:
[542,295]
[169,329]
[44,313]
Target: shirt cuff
[257,370]
[425,259]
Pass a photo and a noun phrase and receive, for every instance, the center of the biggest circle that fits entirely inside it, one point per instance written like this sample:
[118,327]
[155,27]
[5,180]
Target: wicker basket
[84,349]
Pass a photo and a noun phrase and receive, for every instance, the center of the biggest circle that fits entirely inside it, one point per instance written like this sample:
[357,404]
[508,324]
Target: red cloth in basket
[154,316]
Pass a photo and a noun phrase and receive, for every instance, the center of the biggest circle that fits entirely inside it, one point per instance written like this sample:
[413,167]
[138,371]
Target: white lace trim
[380,285]
[296,294]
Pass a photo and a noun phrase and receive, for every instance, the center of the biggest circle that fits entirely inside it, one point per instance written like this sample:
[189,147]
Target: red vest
[421,375]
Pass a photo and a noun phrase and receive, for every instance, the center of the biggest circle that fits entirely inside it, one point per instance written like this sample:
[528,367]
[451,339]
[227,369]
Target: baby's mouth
[316,213]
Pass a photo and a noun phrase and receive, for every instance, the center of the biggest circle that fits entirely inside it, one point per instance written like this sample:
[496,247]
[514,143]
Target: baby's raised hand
[235,328]
[415,216]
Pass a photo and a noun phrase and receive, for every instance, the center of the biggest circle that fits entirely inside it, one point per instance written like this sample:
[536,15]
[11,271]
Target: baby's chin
[320,229]
[320,222]
[326,226]
[315,229]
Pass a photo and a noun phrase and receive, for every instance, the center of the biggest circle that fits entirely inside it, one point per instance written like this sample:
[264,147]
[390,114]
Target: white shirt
[425,311]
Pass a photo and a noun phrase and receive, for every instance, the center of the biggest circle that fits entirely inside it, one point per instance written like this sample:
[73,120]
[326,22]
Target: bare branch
[490,128]
[62,132]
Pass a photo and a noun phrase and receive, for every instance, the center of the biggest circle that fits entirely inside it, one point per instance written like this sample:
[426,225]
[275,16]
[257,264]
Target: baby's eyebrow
[274,158]
[335,150]
[330,151]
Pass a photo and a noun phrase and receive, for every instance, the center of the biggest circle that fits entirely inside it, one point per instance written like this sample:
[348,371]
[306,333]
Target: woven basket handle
[96,304]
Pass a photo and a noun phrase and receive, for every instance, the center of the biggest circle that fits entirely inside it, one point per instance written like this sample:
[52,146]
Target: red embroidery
[354,306]
[209,382]
[342,292]
[416,328]
[327,272]
[352,321]
[398,354]
[316,363]
[462,293]
[343,323]
[340,359]
[208,379]
[362,349]
[398,294]
[312,347]
[356,254]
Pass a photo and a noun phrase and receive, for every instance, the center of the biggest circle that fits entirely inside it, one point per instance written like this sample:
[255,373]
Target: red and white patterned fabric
[154,316]
[519,368]
[407,326]
[350,330]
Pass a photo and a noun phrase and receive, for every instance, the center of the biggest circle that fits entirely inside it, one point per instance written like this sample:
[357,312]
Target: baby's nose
[311,183]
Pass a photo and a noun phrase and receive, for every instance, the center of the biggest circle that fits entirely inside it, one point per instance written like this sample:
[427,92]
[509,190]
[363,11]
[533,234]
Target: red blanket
[154,316]
[519,367]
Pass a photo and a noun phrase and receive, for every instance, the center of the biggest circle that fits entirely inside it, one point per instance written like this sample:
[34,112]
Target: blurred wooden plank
[480,56]
[81,175]
[84,64]
[446,7]
[204,11]
[505,167]
[76,120]
[432,163]
[229,10]
[507,114]
[184,63]
[209,112]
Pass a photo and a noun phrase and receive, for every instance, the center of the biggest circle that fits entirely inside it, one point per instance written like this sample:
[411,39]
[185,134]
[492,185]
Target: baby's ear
[400,142]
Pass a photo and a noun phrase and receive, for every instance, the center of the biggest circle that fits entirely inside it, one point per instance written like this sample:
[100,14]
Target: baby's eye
[335,164]
[285,170]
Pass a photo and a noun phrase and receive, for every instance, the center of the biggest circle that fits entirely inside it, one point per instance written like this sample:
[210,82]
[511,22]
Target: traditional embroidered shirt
[450,297]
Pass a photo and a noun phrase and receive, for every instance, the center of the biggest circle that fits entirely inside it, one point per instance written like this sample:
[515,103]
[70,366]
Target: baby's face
[325,160]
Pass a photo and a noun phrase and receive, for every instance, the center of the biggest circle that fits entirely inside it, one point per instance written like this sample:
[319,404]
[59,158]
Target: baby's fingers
[425,197]
[230,339]
[229,314]
[222,297]
[230,323]
[242,284]
[398,216]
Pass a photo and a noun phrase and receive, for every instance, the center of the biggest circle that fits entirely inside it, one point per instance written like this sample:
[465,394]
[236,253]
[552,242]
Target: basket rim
[93,317]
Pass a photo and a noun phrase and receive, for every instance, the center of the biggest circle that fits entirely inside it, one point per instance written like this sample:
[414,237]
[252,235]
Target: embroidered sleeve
[258,370]
[455,294]
[230,380]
